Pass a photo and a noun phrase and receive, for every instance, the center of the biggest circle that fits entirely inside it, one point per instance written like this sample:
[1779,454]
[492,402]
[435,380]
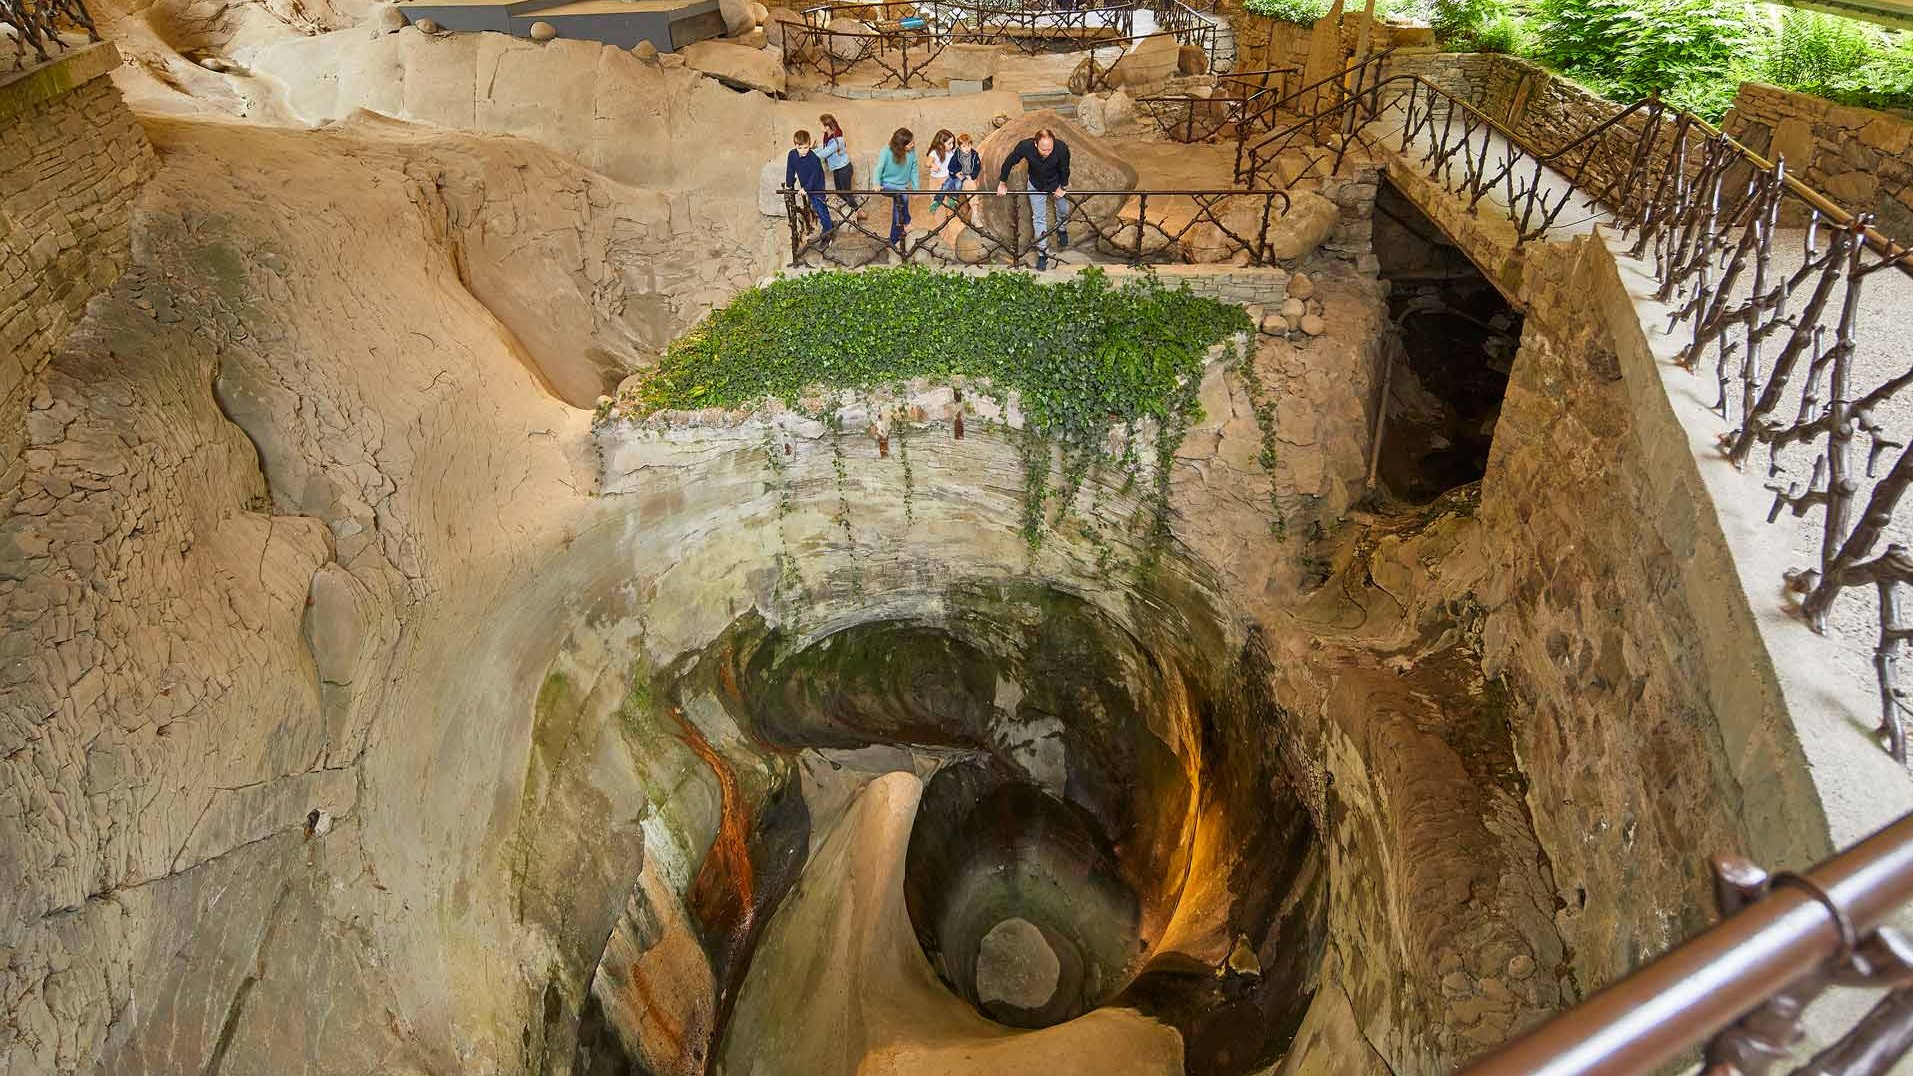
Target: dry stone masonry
[72,159]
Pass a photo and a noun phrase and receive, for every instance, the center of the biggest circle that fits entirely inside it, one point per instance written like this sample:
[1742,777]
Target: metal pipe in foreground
[1691,993]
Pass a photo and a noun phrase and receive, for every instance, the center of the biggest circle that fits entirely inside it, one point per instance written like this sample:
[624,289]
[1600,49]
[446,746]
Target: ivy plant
[1083,353]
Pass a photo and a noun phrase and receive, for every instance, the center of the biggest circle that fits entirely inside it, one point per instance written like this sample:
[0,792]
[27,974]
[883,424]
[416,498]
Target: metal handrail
[1254,115]
[1228,232]
[1741,985]
[1219,110]
[37,24]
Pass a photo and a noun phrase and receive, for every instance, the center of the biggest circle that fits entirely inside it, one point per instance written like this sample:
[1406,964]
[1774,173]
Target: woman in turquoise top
[897,171]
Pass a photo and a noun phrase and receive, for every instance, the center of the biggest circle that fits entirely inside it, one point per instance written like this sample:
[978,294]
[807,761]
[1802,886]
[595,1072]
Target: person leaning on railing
[1048,160]
[897,170]
[836,157]
[804,171]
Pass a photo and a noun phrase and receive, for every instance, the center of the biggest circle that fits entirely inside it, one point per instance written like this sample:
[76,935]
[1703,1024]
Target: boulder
[1311,219]
[1078,81]
[736,65]
[389,19]
[847,49]
[738,19]
[1301,286]
[760,14]
[1089,113]
[1094,166]
[427,26]
[964,63]
[1313,324]
[756,39]
[1206,242]
[645,50]
[1192,60]
[1147,65]
[774,26]
[1119,110]
[543,31]
[1122,242]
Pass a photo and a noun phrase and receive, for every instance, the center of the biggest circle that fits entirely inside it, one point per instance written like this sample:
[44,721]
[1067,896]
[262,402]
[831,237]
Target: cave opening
[1455,338]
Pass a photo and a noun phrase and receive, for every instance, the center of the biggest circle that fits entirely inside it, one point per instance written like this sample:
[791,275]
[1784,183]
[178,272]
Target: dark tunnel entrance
[1457,337]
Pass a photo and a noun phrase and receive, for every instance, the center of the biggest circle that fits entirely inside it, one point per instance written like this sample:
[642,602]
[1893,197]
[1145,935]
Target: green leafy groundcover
[1083,353]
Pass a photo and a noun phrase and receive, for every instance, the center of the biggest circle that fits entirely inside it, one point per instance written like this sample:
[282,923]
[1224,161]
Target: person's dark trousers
[899,217]
[845,180]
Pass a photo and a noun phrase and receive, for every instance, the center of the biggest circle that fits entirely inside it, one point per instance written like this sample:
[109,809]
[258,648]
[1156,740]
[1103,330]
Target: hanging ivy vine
[1082,353]
[1264,408]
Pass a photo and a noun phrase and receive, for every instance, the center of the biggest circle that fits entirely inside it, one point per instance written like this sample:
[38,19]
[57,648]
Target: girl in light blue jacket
[836,157]
[897,171]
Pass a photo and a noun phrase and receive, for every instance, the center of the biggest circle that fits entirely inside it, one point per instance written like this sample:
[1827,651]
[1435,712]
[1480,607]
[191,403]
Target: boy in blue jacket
[804,171]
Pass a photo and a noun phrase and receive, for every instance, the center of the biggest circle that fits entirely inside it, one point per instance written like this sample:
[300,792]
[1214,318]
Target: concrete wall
[72,159]
[1856,156]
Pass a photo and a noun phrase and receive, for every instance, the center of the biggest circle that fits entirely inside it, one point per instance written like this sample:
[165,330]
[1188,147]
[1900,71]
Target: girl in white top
[940,149]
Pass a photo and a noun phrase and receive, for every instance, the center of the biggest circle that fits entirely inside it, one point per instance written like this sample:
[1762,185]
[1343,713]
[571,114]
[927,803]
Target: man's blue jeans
[1039,216]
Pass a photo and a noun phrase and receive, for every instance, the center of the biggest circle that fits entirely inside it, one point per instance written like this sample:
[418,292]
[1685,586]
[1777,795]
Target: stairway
[1222,54]
[1061,101]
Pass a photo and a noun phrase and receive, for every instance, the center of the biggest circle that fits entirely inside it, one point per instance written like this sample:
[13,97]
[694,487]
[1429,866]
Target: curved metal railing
[1741,988]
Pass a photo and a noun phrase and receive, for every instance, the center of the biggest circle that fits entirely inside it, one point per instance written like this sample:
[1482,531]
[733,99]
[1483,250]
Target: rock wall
[1856,156]
[72,160]
[1264,43]
[1651,729]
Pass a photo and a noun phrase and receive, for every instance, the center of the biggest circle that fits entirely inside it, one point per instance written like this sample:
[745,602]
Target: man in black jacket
[1048,160]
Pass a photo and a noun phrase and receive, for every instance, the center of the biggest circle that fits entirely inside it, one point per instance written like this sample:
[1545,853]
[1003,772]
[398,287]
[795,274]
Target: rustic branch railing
[904,56]
[1742,986]
[1339,96]
[1185,117]
[1031,29]
[1768,275]
[1153,226]
[38,24]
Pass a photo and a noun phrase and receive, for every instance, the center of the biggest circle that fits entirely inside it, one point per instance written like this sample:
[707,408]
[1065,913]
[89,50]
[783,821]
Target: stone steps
[1223,54]
[1061,101]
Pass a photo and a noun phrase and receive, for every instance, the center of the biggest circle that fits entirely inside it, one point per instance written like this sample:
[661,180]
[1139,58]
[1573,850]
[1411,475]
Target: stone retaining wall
[1856,156]
[72,159]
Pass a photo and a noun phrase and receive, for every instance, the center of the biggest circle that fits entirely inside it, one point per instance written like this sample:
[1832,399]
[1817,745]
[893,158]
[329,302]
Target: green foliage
[1884,81]
[1460,23]
[1505,33]
[1629,49]
[1811,52]
[1300,12]
[1847,61]
[1083,353]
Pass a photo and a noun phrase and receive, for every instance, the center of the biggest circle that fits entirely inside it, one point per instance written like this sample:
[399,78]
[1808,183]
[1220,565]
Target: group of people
[954,163]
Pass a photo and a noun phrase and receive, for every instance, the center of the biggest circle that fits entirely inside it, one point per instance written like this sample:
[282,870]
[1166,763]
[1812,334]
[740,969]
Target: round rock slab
[1094,166]
[543,31]
[1016,966]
